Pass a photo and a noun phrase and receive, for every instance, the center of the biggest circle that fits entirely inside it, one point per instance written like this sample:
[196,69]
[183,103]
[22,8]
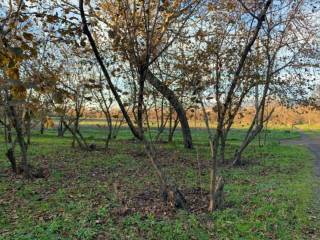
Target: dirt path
[313,143]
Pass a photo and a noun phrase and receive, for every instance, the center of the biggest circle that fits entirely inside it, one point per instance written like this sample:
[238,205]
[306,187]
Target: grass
[271,197]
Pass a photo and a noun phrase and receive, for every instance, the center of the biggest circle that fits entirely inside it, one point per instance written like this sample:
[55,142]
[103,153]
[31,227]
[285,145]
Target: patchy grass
[113,195]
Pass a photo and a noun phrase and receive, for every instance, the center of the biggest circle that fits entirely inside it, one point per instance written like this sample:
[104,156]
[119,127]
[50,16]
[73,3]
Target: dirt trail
[313,143]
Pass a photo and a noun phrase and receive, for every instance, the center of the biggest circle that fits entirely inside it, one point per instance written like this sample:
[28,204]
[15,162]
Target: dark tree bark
[77,136]
[113,89]
[20,138]
[222,149]
[61,131]
[10,149]
[175,103]
[41,127]
[172,127]
[12,159]
[28,126]
[156,83]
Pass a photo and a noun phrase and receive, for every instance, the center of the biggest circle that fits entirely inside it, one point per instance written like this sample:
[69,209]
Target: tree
[229,61]
[19,49]
[280,54]
[140,34]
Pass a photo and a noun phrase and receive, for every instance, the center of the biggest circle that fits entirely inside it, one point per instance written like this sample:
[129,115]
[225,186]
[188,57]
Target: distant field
[270,197]
[200,124]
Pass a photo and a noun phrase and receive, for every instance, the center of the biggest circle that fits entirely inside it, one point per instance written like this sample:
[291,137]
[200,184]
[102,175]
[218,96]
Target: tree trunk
[12,159]
[170,193]
[20,138]
[140,100]
[108,138]
[42,127]
[60,128]
[237,158]
[28,127]
[222,149]
[175,103]
[113,89]
[170,136]
[214,145]
[110,129]
[10,151]
[217,198]
[216,183]
[81,144]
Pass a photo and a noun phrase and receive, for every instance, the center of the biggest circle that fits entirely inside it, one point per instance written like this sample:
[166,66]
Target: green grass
[271,197]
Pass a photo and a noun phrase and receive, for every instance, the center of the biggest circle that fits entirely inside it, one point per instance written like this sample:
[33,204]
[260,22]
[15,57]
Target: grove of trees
[148,64]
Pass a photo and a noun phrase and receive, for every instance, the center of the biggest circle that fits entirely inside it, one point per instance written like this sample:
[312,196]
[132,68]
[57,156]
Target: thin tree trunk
[10,147]
[60,127]
[173,130]
[213,184]
[170,193]
[110,128]
[113,89]
[216,183]
[170,125]
[28,127]
[42,127]
[140,101]
[222,149]
[74,134]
